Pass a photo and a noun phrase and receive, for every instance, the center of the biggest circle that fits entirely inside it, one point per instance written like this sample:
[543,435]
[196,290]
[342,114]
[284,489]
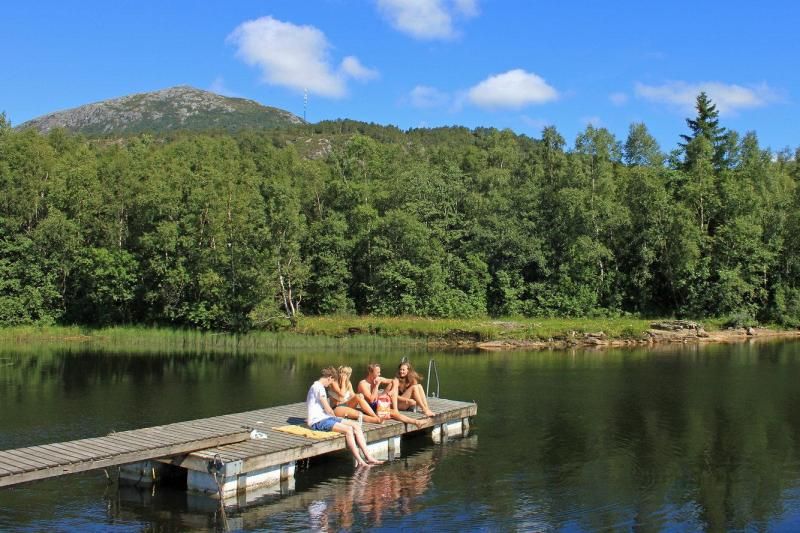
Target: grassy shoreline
[367,332]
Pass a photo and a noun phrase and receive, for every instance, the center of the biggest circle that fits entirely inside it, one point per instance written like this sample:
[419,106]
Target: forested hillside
[229,232]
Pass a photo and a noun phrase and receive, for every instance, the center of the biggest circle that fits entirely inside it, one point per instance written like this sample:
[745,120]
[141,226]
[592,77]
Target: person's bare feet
[374,461]
[429,413]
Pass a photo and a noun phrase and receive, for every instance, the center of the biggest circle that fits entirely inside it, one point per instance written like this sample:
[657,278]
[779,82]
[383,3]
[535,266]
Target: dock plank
[48,452]
[10,465]
[132,443]
[39,459]
[112,445]
[73,452]
[22,460]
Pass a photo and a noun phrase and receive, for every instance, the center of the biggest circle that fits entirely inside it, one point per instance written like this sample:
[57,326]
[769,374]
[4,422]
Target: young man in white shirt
[322,418]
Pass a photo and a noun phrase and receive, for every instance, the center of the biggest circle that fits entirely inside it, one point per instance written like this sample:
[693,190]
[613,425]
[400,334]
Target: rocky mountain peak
[175,108]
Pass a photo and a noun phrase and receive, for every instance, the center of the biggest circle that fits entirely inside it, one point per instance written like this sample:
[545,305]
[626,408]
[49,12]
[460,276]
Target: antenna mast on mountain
[305,103]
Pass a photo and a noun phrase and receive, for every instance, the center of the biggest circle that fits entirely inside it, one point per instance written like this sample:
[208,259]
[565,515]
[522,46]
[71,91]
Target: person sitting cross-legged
[322,418]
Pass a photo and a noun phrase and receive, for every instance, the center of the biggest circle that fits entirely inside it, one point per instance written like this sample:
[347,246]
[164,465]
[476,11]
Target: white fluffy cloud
[466,8]
[427,19]
[294,56]
[513,89]
[352,67]
[425,97]
[729,98]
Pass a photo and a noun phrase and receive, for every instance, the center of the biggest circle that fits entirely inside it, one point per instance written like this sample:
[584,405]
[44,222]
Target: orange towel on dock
[304,431]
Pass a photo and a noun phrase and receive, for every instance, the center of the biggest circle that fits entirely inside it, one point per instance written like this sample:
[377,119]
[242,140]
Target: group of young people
[333,404]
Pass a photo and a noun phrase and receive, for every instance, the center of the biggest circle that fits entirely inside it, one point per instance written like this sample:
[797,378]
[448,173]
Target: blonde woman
[409,389]
[346,402]
[370,387]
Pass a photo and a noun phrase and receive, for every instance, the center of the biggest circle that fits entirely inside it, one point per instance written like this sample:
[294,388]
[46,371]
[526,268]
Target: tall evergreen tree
[706,125]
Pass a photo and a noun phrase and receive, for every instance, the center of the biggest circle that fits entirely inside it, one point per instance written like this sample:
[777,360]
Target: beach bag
[384,407]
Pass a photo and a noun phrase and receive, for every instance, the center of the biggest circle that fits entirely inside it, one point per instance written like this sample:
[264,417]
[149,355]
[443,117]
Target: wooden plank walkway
[192,444]
[56,459]
[280,447]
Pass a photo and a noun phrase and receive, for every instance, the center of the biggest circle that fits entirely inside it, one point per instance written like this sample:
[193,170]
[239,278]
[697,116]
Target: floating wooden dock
[222,444]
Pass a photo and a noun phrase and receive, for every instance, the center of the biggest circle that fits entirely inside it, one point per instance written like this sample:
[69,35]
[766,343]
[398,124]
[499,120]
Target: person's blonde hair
[344,369]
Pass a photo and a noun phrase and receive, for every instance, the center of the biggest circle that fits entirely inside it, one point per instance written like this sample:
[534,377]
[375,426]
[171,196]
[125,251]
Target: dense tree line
[228,232]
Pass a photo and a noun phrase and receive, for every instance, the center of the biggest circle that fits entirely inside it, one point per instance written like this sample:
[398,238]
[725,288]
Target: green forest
[234,231]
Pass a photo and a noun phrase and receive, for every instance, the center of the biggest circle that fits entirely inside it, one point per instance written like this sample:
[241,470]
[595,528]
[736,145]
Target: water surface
[677,438]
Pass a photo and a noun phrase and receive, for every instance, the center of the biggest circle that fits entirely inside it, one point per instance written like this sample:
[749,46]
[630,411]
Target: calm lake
[672,438]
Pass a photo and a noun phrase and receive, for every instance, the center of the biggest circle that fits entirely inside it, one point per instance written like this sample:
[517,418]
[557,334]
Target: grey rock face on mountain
[176,108]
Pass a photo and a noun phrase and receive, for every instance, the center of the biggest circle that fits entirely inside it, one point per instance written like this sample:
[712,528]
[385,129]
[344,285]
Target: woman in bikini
[346,402]
[409,389]
[370,387]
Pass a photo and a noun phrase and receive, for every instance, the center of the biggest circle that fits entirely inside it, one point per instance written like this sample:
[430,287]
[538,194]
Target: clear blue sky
[416,63]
